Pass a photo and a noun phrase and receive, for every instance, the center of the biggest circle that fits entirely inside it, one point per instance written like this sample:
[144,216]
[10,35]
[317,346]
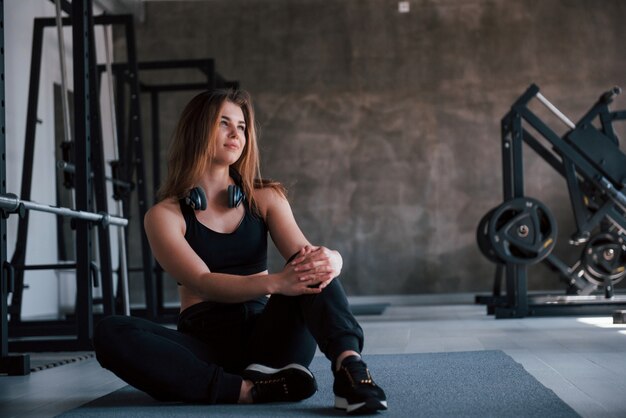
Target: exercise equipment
[604,259]
[12,364]
[522,231]
[20,364]
[128,85]
[121,237]
[10,203]
[483,240]
[87,161]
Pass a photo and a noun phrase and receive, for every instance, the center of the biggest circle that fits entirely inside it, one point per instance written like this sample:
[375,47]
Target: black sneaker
[292,383]
[355,390]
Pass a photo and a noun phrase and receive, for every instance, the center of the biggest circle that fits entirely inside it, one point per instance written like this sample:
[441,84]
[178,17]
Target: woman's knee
[107,325]
[110,329]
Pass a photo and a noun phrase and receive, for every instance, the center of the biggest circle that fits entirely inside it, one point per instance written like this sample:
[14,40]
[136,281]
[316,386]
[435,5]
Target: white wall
[47,289]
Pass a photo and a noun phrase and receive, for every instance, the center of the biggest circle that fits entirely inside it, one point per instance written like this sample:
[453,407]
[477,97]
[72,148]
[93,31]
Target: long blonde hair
[194,143]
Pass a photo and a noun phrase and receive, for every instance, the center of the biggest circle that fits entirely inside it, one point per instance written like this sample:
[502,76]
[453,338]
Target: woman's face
[231,135]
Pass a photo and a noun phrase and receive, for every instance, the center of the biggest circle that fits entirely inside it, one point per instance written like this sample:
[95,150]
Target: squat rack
[88,148]
[21,328]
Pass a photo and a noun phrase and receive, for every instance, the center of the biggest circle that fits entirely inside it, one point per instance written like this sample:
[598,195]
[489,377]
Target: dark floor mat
[460,384]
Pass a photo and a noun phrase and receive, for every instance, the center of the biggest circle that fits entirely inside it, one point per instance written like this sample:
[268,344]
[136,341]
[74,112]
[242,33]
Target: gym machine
[83,130]
[156,309]
[128,83]
[135,152]
[12,364]
[88,165]
[522,231]
[96,177]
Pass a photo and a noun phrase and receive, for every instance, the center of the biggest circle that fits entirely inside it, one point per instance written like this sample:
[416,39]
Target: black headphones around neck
[196,198]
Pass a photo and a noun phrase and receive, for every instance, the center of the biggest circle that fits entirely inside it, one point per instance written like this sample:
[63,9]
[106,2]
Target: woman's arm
[165,227]
[316,266]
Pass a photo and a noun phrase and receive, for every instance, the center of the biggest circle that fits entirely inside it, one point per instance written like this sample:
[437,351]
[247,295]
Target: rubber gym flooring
[583,360]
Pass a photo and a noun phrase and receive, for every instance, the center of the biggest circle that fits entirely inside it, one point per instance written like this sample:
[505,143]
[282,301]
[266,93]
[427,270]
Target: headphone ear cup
[197,199]
[235,196]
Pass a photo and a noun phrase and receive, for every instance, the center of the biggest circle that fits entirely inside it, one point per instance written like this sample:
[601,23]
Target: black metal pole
[9,364]
[81,19]
[19,255]
[135,142]
[98,164]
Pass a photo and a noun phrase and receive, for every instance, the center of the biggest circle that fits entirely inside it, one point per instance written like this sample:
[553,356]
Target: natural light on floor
[603,322]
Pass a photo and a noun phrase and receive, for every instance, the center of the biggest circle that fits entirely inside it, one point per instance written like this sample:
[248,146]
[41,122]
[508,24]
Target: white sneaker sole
[372,405]
[269,370]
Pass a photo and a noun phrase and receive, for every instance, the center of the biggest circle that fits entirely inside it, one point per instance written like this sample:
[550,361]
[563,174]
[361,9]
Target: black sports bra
[241,252]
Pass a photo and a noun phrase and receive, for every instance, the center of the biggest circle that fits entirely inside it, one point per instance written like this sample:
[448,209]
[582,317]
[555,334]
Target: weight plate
[482,238]
[604,258]
[522,231]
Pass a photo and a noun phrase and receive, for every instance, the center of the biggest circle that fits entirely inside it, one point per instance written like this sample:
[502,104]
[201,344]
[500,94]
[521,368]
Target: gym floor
[583,360]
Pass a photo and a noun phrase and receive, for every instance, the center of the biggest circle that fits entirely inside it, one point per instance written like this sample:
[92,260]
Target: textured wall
[386,126]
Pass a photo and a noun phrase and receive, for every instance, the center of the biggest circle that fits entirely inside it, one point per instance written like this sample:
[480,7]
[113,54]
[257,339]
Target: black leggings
[201,361]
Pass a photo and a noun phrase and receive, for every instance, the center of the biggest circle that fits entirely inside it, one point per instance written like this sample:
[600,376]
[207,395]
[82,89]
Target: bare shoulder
[268,199]
[165,212]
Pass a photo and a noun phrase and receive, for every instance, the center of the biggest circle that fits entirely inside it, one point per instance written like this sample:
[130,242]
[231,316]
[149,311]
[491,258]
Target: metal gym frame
[12,364]
[76,334]
[126,78]
[589,158]
[153,274]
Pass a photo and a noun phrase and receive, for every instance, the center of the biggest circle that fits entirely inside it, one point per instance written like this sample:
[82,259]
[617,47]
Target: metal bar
[103,19]
[174,87]
[19,254]
[81,13]
[9,364]
[577,201]
[65,5]
[54,266]
[69,168]
[55,344]
[156,142]
[204,64]
[65,107]
[544,152]
[507,160]
[123,290]
[618,115]
[156,176]
[98,165]
[138,160]
[4,285]
[517,157]
[617,217]
[556,111]
[616,194]
[583,166]
[12,204]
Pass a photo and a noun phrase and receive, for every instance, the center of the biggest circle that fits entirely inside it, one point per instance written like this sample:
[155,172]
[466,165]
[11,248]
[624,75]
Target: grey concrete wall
[386,126]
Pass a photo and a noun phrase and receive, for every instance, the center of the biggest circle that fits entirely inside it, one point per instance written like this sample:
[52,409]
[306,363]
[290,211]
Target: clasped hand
[311,271]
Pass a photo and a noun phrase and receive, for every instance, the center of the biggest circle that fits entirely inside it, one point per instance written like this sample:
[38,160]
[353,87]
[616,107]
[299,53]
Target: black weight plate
[604,258]
[522,231]
[482,238]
